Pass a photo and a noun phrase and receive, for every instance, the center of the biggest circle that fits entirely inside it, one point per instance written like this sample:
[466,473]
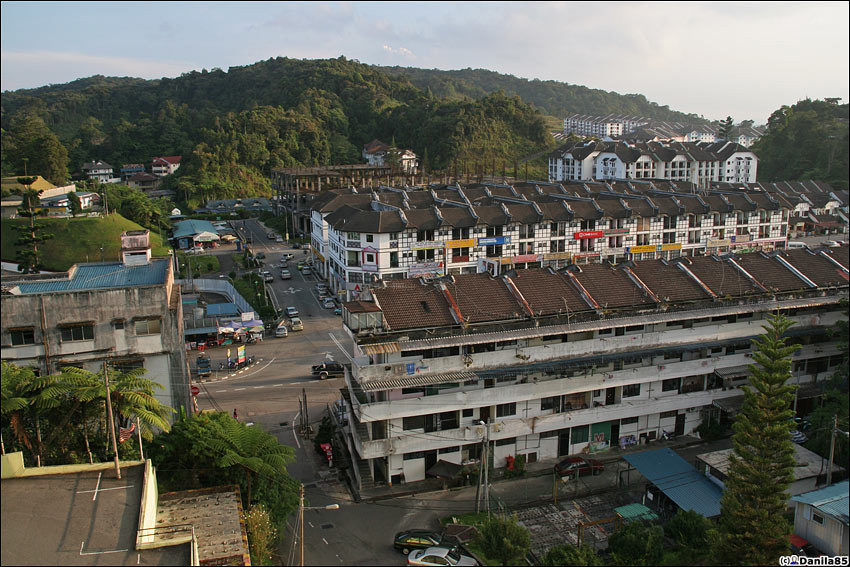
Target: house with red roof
[162,166]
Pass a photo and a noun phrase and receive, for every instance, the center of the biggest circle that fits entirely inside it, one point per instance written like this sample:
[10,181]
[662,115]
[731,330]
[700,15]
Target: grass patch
[76,240]
[200,264]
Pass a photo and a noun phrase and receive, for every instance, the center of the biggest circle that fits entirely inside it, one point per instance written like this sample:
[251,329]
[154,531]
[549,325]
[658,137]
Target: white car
[285,275]
[831,244]
[439,556]
[291,312]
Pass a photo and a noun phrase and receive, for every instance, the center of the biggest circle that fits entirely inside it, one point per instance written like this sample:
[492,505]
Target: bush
[505,540]
[519,468]
[262,536]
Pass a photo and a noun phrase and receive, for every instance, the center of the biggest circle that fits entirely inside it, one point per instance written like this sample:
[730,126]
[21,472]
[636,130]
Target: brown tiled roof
[361,306]
[555,211]
[407,304]
[457,217]
[610,287]
[491,215]
[721,277]
[770,273]
[817,268]
[668,282]
[841,255]
[481,297]
[525,214]
[422,219]
[548,293]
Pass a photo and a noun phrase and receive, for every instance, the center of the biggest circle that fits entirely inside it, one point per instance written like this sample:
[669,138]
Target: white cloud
[403,51]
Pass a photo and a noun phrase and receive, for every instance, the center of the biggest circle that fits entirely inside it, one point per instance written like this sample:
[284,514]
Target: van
[281,331]
[796,244]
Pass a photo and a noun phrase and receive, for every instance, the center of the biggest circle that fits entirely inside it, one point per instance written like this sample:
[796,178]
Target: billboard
[494,240]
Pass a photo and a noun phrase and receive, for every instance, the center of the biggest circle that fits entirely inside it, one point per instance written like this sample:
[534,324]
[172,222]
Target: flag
[125,433]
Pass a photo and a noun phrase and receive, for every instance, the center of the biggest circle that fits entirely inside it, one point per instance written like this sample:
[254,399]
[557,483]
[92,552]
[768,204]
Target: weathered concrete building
[127,314]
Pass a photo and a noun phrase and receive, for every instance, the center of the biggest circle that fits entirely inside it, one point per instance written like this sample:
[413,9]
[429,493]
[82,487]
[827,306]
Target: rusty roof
[611,287]
[548,292]
[668,282]
[721,276]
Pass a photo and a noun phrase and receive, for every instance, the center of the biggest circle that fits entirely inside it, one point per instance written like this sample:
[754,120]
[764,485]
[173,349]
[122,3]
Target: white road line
[255,387]
[93,498]
[220,391]
[326,541]
[339,346]
[311,524]
[100,552]
[104,489]
[294,421]
[237,389]
[276,385]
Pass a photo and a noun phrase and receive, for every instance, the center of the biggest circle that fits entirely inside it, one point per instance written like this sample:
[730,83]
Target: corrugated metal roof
[633,512]
[417,380]
[678,480]
[191,227]
[833,500]
[103,276]
[382,348]
[214,309]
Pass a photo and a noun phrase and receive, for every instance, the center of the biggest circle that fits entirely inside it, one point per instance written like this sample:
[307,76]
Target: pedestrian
[234,414]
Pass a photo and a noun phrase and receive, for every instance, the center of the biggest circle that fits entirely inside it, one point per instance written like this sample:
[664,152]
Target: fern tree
[753,527]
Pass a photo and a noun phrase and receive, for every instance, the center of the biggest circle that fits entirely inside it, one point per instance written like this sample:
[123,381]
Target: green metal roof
[632,512]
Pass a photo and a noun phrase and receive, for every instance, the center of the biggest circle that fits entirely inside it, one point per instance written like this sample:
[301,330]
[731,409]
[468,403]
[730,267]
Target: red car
[578,465]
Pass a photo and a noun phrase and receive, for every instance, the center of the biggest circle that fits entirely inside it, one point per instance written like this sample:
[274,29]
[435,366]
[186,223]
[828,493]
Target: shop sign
[671,246]
[557,256]
[586,255]
[494,240]
[240,354]
[642,249]
[352,244]
[741,238]
[717,243]
[317,255]
[425,269]
[615,231]
[524,258]
[588,234]
[464,243]
[426,245]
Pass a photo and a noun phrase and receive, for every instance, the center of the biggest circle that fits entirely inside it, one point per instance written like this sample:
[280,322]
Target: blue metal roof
[833,500]
[219,309]
[678,480]
[192,227]
[103,276]
[201,331]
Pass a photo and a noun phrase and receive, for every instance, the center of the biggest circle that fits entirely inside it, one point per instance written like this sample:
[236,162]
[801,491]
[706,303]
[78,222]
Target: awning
[382,348]
[417,380]
[200,331]
[730,405]
[444,469]
[734,372]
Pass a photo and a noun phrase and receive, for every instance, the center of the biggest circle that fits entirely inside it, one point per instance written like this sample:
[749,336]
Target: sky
[715,59]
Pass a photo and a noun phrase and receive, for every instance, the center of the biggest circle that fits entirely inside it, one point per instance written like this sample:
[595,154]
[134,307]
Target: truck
[329,369]
[203,365]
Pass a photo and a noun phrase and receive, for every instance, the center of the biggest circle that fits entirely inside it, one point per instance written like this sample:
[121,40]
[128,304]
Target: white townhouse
[376,152]
[362,238]
[574,360]
[699,163]
[162,166]
[101,171]
[610,125]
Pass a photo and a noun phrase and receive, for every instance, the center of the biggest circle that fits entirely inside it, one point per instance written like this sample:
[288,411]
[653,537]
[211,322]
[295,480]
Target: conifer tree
[753,527]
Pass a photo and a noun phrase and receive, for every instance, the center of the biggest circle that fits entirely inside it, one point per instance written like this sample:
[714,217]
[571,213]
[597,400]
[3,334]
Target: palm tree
[25,398]
[252,449]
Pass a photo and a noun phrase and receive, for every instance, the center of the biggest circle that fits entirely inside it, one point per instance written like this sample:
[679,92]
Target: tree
[567,554]
[505,540]
[689,532]
[32,146]
[25,400]
[753,527]
[74,203]
[30,236]
[637,544]
[725,128]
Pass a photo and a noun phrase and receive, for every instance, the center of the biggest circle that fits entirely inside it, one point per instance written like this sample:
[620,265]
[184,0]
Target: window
[817,518]
[448,450]
[580,434]
[670,385]
[467,412]
[415,422]
[118,324]
[631,390]
[128,364]
[22,336]
[83,332]
[147,326]
[503,442]
[503,410]
[628,421]
[369,238]
[416,455]
[669,414]
[553,403]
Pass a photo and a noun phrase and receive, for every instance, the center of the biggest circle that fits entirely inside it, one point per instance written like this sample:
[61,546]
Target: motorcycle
[668,435]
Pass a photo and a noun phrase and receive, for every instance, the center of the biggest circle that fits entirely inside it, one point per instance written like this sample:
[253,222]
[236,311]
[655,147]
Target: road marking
[340,558]
[326,541]
[237,389]
[93,498]
[220,391]
[99,552]
[339,346]
[276,385]
[255,387]
[311,524]
[294,421]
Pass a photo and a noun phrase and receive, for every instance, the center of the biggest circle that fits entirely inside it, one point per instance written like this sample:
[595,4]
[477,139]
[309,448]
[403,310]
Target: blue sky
[744,59]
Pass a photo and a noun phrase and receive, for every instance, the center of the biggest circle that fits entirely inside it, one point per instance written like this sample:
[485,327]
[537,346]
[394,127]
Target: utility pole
[832,450]
[487,468]
[111,421]
[301,522]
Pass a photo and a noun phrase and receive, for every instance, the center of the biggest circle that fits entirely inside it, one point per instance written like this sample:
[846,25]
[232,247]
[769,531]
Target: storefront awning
[382,348]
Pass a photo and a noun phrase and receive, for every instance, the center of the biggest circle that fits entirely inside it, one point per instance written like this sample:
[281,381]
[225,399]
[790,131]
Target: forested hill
[549,97]
[233,127]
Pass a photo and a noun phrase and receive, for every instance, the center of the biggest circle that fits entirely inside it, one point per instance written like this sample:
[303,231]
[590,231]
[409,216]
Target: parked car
[281,331]
[267,276]
[285,275]
[286,257]
[300,265]
[291,312]
[278,239]
[296,324]
[408,540]
[271,236]
[329,369]
[306,270]
[439,556]
[831,243]
[328,303]
[578,465]
[338,311]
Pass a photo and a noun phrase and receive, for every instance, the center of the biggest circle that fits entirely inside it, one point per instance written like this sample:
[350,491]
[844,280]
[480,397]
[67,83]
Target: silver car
[441,556]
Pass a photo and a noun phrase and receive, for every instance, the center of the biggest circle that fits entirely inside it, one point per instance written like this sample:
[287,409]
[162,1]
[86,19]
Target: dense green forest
[233,127]
[549,97]
[808,140]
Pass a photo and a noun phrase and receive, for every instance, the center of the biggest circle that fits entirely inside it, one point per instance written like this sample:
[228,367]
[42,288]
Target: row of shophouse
[361,237]
[548,362]
[700,163]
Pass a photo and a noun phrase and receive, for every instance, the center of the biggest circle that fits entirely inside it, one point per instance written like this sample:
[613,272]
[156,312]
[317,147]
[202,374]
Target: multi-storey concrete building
[558,362]
[360,238]
[698,163]
[611,125]
[127,314]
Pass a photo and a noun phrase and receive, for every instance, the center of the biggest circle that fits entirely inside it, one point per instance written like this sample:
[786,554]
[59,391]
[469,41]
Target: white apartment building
[560,362]
[376,152]
[698,163]
[359,239]
[101,171]
[600,126]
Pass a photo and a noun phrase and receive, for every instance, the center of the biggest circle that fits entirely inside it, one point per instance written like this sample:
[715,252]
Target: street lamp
[301,509]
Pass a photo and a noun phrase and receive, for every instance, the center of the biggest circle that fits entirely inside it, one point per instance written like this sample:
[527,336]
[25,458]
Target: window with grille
[22,336]
[148,326]
[82,332]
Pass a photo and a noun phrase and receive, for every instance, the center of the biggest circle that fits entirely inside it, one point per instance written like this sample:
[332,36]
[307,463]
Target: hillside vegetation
[76,240]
